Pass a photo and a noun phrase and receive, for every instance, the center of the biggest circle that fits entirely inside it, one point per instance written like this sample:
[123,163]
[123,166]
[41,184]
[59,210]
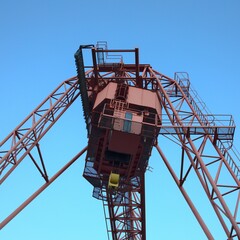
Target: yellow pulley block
[113,181]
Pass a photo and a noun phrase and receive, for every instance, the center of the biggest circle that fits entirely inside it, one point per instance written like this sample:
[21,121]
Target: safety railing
[106,58]
[234,163]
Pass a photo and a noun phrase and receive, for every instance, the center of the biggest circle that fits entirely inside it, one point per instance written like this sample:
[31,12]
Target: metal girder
[125,211]
[41,189]
[205,140]
[19,143]
[26,137]
[205,147]
[204,151]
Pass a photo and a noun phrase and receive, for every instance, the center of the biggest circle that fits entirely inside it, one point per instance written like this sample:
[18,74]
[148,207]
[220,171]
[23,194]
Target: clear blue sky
[38,40]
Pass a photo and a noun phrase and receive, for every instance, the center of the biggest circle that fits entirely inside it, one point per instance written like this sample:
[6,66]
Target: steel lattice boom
[27,135]
[129,109]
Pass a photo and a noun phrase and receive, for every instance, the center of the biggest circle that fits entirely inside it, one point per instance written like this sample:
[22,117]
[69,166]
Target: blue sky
[37,44]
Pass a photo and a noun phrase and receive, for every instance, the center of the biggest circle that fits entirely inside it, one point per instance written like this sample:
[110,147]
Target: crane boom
[25,138]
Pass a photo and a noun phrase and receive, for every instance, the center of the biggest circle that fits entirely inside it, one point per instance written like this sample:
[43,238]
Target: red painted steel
[27,135]
[41,189]
[125,212]
[203,142]
[205,139]
[19,143]
[120,143]
[200,140]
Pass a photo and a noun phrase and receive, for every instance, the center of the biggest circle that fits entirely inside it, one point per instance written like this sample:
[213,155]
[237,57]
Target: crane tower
[129,108]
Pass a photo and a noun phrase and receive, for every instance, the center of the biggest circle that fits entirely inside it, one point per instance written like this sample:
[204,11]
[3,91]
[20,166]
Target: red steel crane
[129,109]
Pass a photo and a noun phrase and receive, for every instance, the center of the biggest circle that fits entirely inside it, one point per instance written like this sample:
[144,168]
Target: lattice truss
[204,142]
[24,140]
[125,212]
[27,135]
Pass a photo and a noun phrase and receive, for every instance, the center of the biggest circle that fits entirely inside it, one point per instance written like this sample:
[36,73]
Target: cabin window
[127,122]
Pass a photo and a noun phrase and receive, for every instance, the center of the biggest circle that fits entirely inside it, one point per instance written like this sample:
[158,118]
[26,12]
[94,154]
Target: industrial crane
[129,108]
